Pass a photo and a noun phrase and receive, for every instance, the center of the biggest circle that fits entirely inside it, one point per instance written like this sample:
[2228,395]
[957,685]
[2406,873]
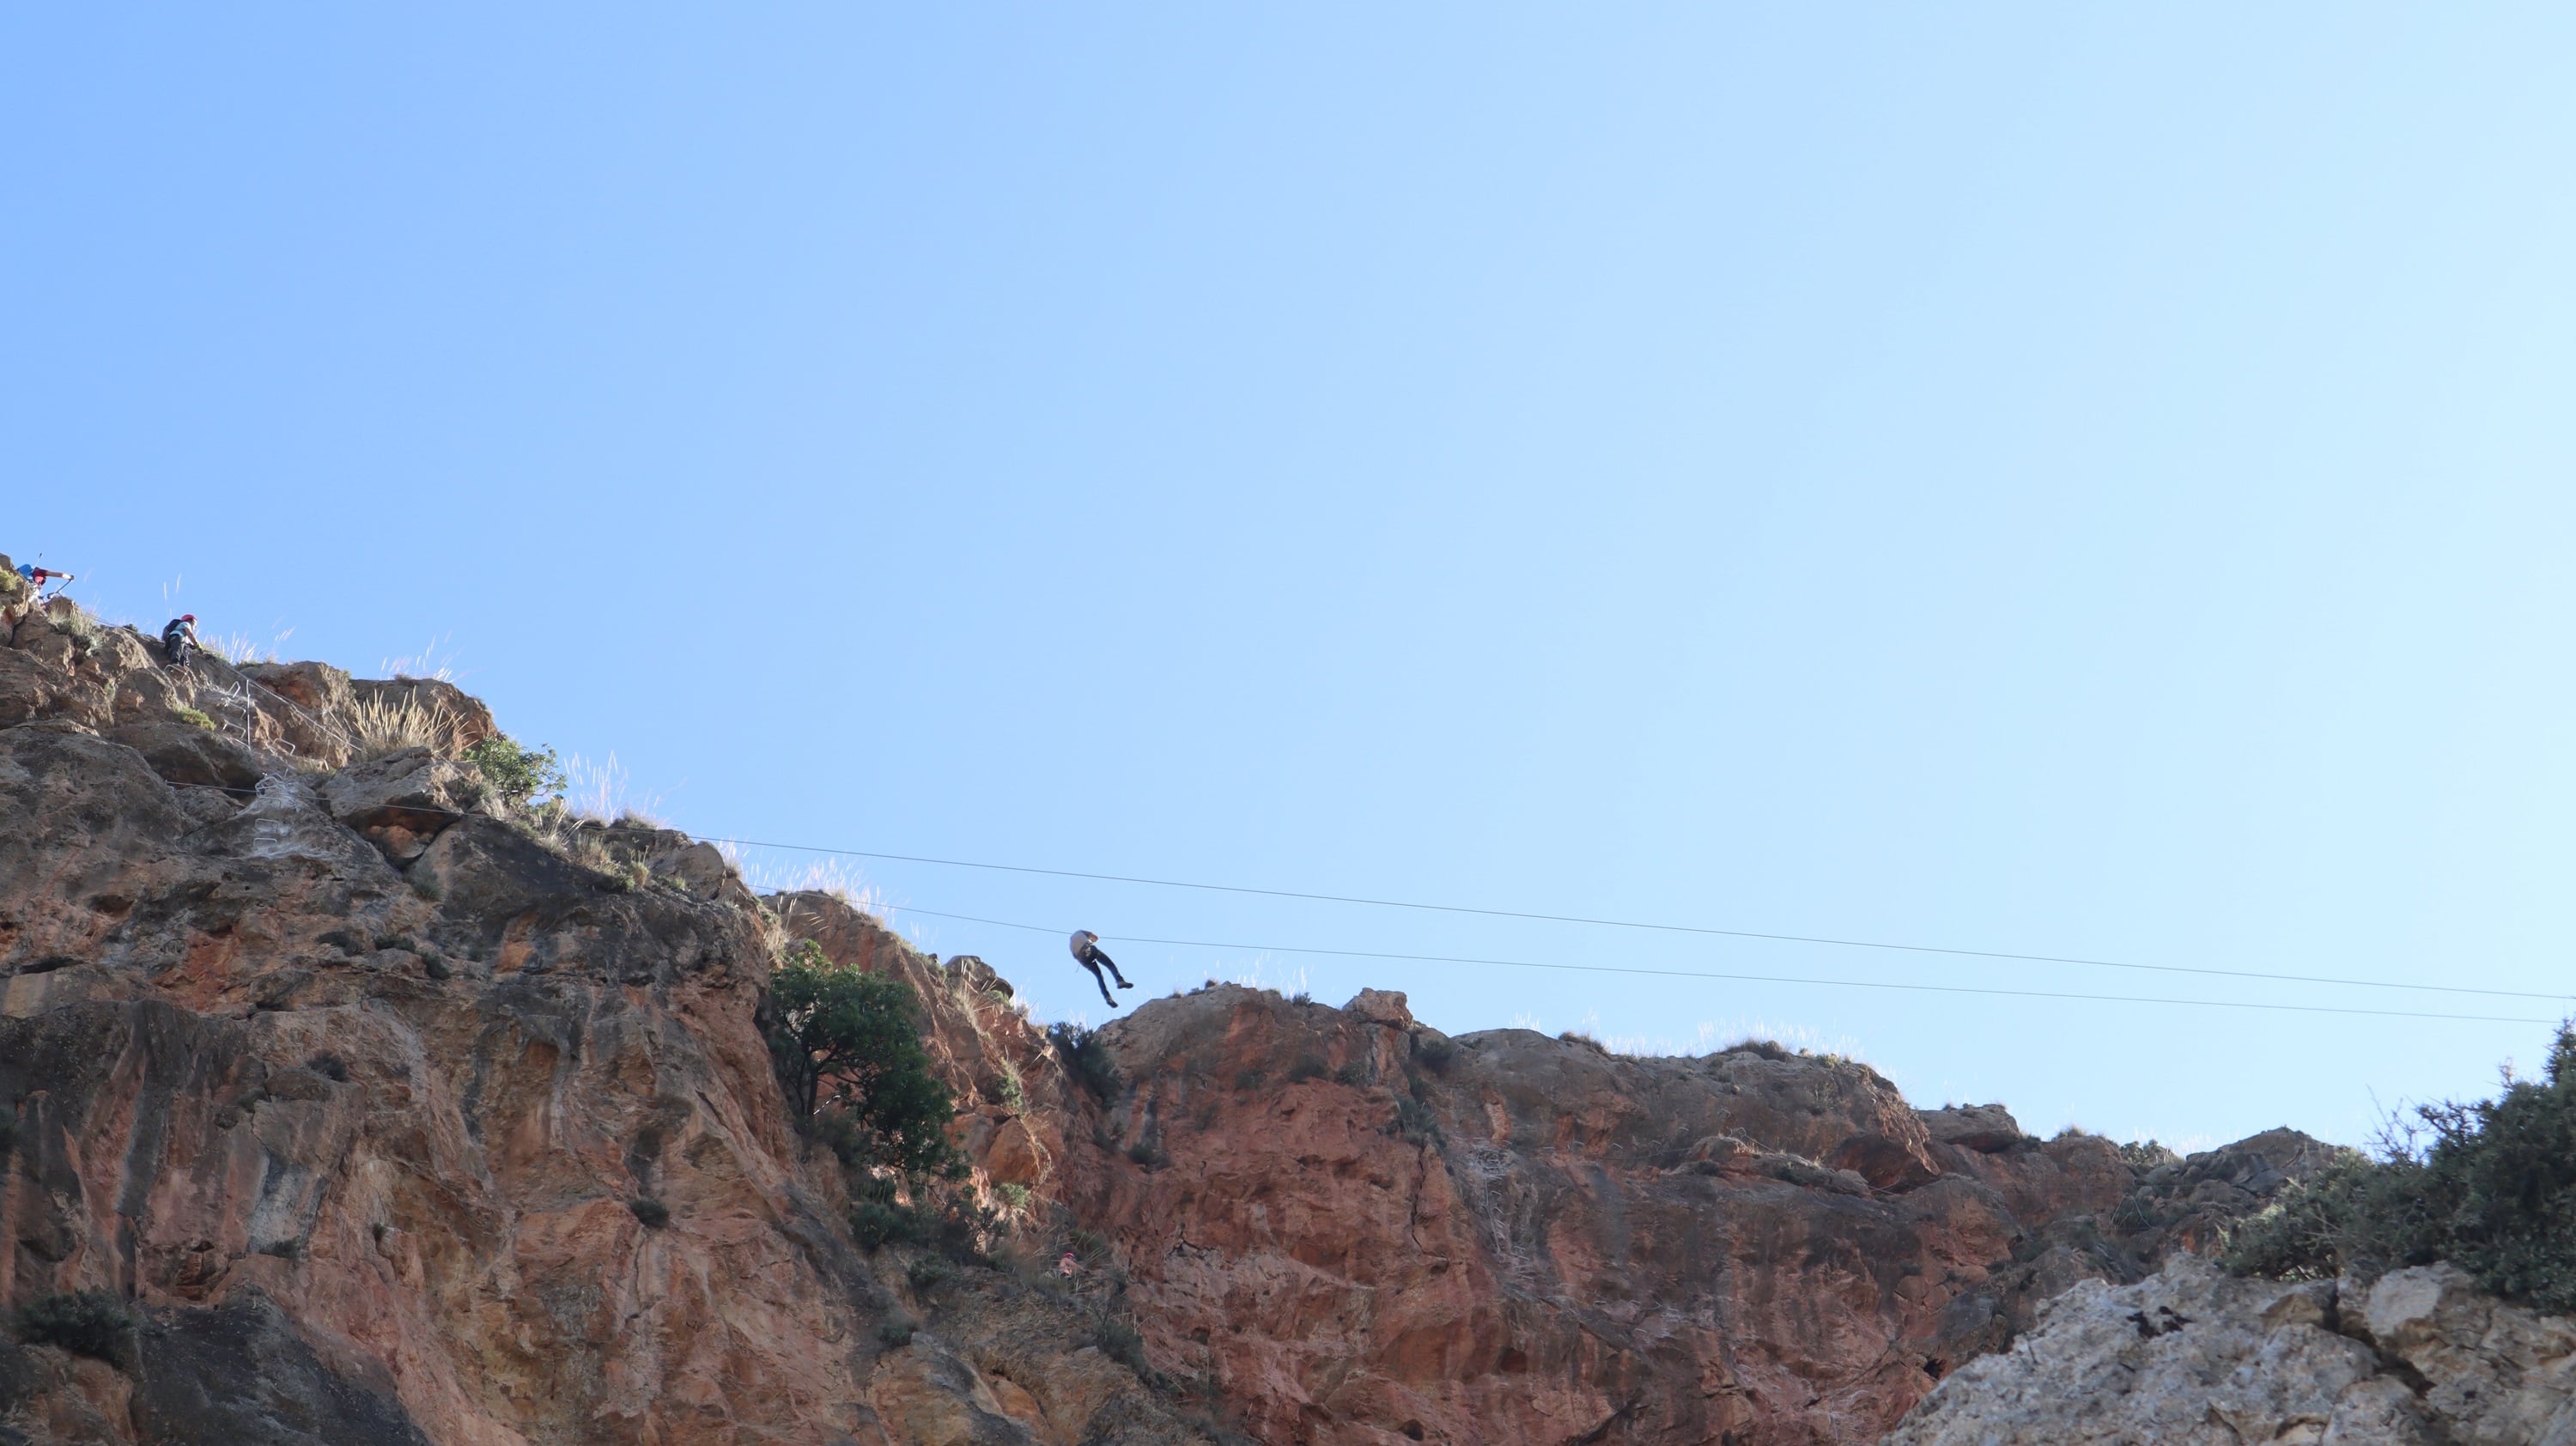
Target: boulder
[314,687]
[414,790]
[1984,1128]
[1381,1006]
[184,753]
[699,869]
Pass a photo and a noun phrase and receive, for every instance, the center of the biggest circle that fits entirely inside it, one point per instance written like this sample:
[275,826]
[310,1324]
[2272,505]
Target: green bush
[1415,1122]
[1120,1341]
[2489,1186]
[84,1322]
[847,1043]
[196,718]
[1307,1067]
[519,774]
[875,1223]
[1086,1059]
[1436,1051]
[895,1334]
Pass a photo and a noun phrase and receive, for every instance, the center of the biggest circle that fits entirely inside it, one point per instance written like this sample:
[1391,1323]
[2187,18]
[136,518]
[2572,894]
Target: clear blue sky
[2030,479]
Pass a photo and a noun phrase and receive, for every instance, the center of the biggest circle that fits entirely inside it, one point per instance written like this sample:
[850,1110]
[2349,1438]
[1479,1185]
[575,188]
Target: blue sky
[2022,479]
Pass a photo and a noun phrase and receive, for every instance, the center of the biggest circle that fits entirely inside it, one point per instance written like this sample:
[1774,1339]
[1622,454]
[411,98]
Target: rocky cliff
[373,1113]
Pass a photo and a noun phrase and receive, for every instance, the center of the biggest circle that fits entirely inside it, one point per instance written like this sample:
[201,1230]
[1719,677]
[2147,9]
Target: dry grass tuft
[381,725]
[237,648]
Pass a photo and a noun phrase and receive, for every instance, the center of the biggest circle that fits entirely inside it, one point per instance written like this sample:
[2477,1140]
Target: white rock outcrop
[2192,1355]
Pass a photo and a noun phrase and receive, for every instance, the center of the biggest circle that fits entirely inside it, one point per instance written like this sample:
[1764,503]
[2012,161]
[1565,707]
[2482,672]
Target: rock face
[2421,1358]
[385,1121]
[387,1118]
[1363,1231]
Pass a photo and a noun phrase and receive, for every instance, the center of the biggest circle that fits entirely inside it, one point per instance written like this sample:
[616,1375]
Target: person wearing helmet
[179,640]
[1086,952]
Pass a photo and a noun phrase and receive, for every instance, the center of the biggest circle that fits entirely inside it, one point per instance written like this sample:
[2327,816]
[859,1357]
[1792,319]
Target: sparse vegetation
[85,1322]
[195,717]
[1353,1074]
[520,775]
[2489,1186]
[1307,1067]
[396,941]
[946,1218]
[1086,1059]
[1414,1121]
[344,941]
[384,724]
[330,1066]
[653,1213]
[1015,1197]
[895,1334]
[875,1224]
[1120,1341]
[2145,1155]
[1146,1153]
[1436,1051]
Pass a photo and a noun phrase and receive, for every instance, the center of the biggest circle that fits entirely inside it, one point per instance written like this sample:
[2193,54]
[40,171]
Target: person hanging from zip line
[179,640]
[1086,952]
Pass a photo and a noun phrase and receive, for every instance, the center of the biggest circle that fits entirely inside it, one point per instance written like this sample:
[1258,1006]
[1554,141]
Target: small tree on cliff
[847,1045]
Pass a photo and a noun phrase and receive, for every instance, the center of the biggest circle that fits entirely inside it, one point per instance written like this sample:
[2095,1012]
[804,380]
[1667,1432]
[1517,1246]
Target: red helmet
[187,617]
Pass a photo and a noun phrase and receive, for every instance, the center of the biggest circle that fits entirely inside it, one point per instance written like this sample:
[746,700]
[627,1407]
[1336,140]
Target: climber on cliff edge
[1086,952]
[179,639]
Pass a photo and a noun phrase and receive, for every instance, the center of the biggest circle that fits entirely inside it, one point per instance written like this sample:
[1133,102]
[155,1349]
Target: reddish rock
[363,1097]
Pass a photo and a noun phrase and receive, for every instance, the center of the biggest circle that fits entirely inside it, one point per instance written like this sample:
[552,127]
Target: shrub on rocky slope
[2489,1186]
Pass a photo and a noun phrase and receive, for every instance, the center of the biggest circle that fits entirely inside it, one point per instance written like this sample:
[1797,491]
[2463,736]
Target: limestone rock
[403,800]
[315,687]
[2191,1355]
[699,869]
[186,753]
[1381,1006]
[1985,1128]
[2184,1356]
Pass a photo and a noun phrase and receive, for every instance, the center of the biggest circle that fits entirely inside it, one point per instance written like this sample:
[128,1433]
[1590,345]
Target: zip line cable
[1750,978]
[1632,924]
[1674,928]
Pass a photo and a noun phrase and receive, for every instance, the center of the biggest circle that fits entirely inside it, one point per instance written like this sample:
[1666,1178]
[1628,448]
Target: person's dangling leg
[1113,970]
[1112,999]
